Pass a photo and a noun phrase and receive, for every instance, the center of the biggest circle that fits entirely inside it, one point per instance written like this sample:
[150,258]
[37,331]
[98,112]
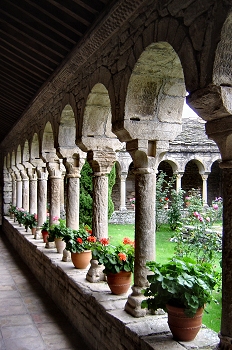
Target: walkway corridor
[29,319]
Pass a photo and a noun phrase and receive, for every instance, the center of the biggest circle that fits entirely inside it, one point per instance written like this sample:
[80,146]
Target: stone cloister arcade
[126,85]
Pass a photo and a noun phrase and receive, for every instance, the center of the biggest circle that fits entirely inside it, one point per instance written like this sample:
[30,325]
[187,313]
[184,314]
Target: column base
[50,245]
[66,256]
[225,342]
[133,306]
[95,273]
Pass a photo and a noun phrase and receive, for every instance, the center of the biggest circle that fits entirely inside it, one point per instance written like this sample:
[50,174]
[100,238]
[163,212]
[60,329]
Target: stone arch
[34,153]
[26,152]
[155,94]
[67,128]
[192,175]
[117,187]
[96,125]
[48,151]
[214,182]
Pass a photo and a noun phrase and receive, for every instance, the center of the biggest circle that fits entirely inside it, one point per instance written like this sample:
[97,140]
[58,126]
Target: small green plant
[163,187]
[80,240]
[182,283]
[114,258]
[45,226]
[57,229]
[12,209]
[175,209]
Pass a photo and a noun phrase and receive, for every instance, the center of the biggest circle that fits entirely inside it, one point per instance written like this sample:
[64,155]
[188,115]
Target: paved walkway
[29,319]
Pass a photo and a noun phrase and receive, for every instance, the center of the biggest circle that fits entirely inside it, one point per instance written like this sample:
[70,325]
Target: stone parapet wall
[97,314]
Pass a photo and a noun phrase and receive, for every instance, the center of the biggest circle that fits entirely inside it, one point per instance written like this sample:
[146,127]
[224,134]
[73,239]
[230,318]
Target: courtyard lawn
[165,251]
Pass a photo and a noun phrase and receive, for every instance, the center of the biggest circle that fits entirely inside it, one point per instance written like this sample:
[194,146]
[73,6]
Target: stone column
[221,133]
[178,181]
[226,318]
[145,183]
[25,191]
[55,175]
[100,205]
[204,189]
[32,191]
[41,200]
[73,203]
[62,209]
[14,190]
[19,191]
[123,192]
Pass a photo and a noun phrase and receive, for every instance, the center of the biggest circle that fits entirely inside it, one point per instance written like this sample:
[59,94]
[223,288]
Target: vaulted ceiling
[35,38]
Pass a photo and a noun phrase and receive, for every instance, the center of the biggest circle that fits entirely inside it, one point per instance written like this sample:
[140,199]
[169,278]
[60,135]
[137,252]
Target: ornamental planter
[45,235]
[119,283]
[60,245]
[183,327]
[81,260]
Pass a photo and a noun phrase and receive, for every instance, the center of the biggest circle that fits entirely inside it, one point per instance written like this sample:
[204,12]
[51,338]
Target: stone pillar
[204,189]
[123,192]
[145,184]
[25,191]
[178,181]
[14,189]
[226,318]
[54,197]
[62,208]
[32,191]
[41,200]
[19,191]
[100,205]
[221,132]
[73,203]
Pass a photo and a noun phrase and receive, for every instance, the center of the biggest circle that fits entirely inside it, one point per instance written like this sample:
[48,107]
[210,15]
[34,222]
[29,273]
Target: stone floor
[29,319]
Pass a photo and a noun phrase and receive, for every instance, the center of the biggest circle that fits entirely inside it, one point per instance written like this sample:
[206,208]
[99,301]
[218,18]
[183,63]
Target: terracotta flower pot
[183,328]
[119,283]
[60,245]
[81,260]
[45,235]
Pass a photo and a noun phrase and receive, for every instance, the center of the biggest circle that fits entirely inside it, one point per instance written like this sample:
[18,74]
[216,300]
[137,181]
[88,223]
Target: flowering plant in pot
[29,220]
[79,243]
[19,215]
[118,262]
[45,230]
[182,284]
[56,233]
[12,210]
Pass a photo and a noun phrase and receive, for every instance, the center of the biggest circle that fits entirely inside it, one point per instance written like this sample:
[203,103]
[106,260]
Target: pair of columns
[204,186]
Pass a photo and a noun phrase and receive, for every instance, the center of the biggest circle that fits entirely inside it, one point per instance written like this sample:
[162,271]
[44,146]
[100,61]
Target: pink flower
[55,218]
[207,219]
[215,206]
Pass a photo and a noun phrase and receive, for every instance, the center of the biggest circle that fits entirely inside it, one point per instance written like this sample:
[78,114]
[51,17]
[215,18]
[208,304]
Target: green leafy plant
[19,215]
[45,226]
[182,283]
[29,220]
[12,209]
[175,209]
[80,240]
[58,229]
[163,188]
[114,258]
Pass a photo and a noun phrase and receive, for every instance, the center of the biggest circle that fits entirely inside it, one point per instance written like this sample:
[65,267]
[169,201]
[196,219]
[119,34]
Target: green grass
[165,251]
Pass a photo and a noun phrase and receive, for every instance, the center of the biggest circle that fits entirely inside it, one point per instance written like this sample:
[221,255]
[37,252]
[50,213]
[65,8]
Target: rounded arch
[48,151]
[97,121]
[192,175]
[155,94]
[214,182]
[67,128]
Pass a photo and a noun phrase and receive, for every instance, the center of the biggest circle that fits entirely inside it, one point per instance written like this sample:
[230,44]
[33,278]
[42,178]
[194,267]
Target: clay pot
[45,235]
[119,283]
[81,260]
[60,245]
[183,327]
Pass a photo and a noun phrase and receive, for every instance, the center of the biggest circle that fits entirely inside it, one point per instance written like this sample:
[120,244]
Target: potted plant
[79,243]
[12,211]
[45,230]
[19,215]
[182,288]
[118,263]
[56,233]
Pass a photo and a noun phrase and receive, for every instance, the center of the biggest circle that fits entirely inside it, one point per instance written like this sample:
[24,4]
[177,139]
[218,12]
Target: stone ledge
[97,314]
